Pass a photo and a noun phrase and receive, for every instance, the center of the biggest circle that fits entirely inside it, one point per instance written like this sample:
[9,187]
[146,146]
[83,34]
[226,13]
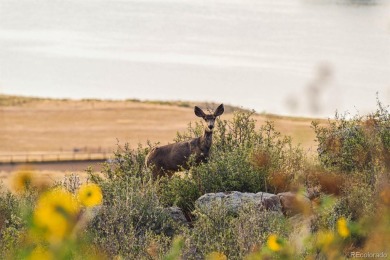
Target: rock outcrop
[233,201]
[289,203]
[177,215]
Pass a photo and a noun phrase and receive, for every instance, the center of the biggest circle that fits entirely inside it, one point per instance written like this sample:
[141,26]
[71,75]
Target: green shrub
[179,191]
[131,219]
[10,222]
[358,144]
[242,158]
[354,154]
[217,230]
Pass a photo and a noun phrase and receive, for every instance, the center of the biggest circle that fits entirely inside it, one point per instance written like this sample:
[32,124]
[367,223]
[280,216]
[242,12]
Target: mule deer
[168,159]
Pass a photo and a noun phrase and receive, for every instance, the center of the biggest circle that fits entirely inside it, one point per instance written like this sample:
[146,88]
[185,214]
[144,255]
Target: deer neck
[206,140]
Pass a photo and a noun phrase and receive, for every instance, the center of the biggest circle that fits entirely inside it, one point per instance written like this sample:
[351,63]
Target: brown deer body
[168,159]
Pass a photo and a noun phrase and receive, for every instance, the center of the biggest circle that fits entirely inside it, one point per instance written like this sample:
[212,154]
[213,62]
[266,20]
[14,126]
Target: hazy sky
[296,57]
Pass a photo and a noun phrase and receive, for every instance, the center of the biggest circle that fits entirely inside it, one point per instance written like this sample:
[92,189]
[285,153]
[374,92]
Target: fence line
[54,157]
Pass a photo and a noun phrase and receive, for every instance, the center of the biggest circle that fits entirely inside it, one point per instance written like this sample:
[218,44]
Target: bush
[131,219]
[354,154]
[235,236]
[358,144]
[10,222]
[242,159]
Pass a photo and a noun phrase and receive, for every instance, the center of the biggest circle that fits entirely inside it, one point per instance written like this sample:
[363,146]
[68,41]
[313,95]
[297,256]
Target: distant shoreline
[14,100]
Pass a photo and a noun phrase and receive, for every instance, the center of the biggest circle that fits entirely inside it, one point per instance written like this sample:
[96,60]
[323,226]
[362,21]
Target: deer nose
[211,127]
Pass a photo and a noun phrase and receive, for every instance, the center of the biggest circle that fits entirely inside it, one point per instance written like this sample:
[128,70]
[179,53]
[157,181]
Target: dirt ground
[53,125]
[49,126]
[47,172]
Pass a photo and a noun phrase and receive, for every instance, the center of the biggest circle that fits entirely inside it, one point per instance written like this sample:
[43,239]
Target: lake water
[293,57]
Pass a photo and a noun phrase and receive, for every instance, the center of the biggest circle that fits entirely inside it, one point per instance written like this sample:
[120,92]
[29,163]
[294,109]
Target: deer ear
[219,111]
[199,112]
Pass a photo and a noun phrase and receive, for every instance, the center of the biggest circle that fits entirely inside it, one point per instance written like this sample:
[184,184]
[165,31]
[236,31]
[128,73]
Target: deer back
[172,157]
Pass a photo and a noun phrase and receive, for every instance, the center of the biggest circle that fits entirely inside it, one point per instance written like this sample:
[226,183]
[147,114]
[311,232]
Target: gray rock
[233,201]
[177,215]
[272,203]
[288,203]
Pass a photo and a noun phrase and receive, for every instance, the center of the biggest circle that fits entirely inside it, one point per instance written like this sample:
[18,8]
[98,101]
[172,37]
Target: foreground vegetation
[122,214]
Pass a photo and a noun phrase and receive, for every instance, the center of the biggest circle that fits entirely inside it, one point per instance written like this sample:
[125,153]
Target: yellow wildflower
[90,195]
[325,238]
[55,214]
[273,243]
[40,253]
[22,180]
[216,256]
[342,227]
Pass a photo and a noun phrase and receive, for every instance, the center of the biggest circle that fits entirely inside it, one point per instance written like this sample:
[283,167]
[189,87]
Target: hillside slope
[48,125]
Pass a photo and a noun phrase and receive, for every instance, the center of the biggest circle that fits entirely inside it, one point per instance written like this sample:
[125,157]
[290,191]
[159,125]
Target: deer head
[209,118]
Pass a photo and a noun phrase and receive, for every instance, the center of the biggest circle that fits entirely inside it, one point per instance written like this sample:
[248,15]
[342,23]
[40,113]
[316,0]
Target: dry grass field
[39,126]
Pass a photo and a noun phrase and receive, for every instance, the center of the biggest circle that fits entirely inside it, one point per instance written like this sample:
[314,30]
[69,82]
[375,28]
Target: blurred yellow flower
[342,227]
[56,213]
[273,243]
[90,195]
[324,238]
[22,180]
[39,253]
[216,256]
